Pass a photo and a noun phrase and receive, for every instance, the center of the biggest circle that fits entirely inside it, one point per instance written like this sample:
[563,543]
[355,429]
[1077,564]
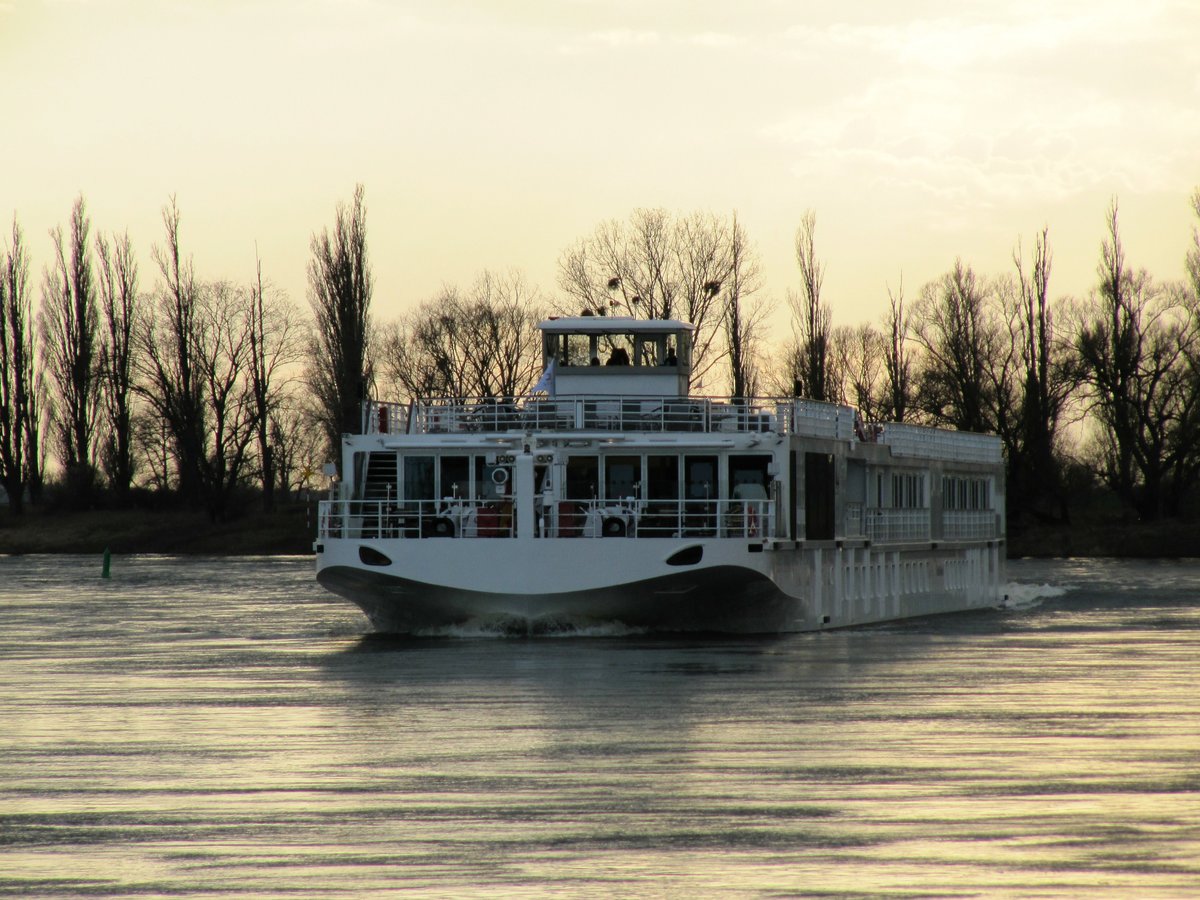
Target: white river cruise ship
[613,496]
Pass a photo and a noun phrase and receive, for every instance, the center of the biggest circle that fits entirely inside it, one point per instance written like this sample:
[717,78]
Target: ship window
[700,478]
[908,490]
[749,470]
[662,477]
[455,476]
[418,478]
[649,349]
[622,475]
[616,349]
[960,493]
[577,350]
[583,477]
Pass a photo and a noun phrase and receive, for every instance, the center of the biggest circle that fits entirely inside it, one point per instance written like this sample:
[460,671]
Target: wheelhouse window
[638,349]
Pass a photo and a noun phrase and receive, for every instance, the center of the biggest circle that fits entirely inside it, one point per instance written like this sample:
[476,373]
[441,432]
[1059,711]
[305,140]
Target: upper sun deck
[582,417]
[616,355]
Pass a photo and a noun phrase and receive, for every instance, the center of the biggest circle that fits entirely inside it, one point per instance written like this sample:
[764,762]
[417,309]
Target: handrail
[607,412]
[459,518]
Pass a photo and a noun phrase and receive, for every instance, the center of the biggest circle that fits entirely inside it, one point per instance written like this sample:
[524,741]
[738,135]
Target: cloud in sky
[992,111]
[495,134]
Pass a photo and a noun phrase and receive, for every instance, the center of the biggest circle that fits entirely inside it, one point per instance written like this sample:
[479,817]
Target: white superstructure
[612,495]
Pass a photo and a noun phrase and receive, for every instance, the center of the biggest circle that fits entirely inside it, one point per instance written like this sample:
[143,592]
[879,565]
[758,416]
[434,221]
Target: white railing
[811,418]
[593,413]
[940,443]
[373,519]
[854,520]
[807,418]
[384,418]
[968,525]
[885,526]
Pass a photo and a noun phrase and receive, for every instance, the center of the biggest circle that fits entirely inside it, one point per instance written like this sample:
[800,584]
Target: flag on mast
[546,382]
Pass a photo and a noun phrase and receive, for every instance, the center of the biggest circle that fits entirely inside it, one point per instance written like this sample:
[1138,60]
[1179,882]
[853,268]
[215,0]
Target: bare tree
[897,362]
[275,345]
[18,402]
[657,267]
[223,362]
[483,344]
[118,284]
[810,318]
[1135,346]
[70,332]
[340,288]
[745,313]
[957,340]
[858,364]
[168,347]
[195,361]
[298,446]
[1035,471]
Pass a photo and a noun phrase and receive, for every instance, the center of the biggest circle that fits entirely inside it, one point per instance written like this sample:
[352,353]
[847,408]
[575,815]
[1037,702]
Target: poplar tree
[340,289]
[70,326]
[20,451]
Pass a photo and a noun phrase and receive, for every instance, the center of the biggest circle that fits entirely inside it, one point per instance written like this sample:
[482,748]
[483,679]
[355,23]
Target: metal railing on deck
[897,525]
[596,413]
[968,525]
[807,418]
[905,525]
[940,443]
[371,519]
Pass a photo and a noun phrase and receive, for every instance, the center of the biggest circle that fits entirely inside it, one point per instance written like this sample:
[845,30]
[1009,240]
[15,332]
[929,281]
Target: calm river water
[221,727]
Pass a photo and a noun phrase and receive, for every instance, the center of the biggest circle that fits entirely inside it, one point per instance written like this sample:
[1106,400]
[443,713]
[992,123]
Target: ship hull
[726,599]
[735,587]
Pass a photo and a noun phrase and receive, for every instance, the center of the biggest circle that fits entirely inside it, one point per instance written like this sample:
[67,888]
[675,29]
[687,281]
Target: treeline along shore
[158,408]
[289,530]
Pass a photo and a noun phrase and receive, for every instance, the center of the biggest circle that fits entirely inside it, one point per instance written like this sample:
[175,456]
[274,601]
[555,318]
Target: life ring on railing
[613,527]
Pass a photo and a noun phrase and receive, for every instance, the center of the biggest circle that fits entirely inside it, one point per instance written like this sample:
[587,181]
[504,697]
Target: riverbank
[291,531]
[1155,540]
[287,531]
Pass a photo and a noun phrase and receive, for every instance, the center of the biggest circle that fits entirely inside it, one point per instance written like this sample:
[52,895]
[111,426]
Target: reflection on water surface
[212,727]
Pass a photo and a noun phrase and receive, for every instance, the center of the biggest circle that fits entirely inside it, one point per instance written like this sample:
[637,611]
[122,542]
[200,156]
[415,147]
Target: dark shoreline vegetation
[291,529]
[288,530]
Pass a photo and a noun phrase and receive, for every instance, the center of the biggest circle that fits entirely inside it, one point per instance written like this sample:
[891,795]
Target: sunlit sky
[495,134]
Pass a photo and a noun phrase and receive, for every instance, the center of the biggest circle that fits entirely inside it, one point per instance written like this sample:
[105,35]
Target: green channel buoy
[107,562]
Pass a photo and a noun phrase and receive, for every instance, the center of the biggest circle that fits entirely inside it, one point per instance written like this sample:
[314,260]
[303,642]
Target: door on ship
[818,496]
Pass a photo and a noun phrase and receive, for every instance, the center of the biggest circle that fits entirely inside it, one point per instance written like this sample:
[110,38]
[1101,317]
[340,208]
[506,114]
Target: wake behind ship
[612,496]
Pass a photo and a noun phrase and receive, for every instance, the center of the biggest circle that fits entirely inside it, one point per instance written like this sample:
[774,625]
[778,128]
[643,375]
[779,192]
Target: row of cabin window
[907,491]
[966,493]
[593,477]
